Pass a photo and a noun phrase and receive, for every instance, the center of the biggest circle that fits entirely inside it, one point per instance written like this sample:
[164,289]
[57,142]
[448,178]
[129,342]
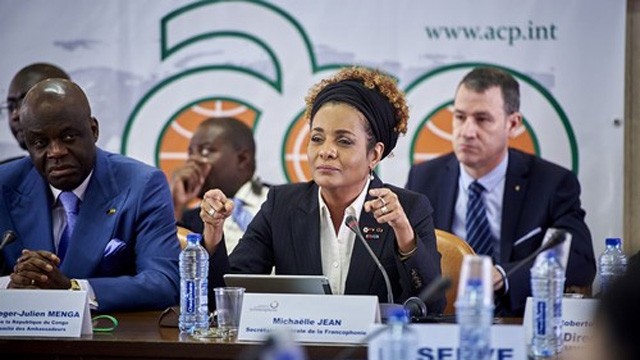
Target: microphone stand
[352,223]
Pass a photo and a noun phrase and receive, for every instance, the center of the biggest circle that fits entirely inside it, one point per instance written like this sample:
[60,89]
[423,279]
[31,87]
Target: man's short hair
[482,78]
[239,135]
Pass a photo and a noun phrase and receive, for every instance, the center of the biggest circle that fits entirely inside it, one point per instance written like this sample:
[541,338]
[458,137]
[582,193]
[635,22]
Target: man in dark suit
[20,84]
[84,218]
[518,192]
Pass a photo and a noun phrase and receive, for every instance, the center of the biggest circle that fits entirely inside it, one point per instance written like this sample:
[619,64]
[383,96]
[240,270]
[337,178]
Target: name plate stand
[311,318]
[48,313]
[440,341]
[577,321]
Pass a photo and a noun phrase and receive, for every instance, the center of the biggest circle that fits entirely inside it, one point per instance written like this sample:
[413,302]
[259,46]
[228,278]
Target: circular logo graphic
[294,151]
[173,141]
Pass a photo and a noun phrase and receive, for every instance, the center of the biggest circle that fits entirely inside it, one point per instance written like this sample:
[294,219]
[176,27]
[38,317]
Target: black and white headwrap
[375,107]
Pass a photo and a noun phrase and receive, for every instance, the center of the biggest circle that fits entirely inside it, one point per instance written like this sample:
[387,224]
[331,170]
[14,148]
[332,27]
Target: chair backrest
[452,249]
[182,235]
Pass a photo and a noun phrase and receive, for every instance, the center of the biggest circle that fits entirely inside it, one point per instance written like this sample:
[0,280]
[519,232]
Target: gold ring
[384,209]
[211,211]
[383,202]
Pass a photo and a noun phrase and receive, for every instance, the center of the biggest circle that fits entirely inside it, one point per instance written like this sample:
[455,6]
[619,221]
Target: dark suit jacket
[286,234]
[128,254]
[537,194]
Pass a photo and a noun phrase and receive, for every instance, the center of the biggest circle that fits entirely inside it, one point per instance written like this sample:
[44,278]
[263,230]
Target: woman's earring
[371,177]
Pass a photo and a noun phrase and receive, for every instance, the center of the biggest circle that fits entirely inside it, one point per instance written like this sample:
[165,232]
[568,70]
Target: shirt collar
[490,180]
[355,208]
[79,191]
[246,195]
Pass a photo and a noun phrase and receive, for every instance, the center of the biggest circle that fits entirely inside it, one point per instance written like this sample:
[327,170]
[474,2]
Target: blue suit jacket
[129,256]
[537,193]
[286,234]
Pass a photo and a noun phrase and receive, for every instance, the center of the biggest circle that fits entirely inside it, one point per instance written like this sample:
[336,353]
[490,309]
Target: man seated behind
[82,213]
[20,84]
[221,155]
[492,195]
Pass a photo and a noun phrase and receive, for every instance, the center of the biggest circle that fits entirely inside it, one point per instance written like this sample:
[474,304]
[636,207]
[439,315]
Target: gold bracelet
[404,256]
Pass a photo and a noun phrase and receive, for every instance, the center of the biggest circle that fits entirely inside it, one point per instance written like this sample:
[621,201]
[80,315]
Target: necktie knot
[476,188]
[70,202]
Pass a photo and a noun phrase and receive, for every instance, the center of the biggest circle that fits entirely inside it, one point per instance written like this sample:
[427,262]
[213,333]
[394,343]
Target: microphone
[556,238]
[415,305]
[352,224]
[8,237]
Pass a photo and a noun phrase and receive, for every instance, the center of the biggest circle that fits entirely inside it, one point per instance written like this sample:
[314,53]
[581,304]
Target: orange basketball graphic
[435,135]
[174,140]
[294,151]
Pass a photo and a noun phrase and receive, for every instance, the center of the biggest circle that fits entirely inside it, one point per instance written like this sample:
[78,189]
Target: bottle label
[190,297]
[204,298]
[557,308]
[541,317]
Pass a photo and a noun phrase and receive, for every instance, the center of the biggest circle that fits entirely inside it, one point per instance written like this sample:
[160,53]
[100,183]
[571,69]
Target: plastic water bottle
[400,342]
[613,262]
[547,285]
[281,345]
[474,315]
[194,269]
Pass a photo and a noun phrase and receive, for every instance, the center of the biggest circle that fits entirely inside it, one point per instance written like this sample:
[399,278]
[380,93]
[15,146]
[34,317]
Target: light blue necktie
[70,203]
[240,214]
[478,230]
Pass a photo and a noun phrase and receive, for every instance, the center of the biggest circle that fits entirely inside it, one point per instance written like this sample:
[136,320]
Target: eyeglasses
[12,105]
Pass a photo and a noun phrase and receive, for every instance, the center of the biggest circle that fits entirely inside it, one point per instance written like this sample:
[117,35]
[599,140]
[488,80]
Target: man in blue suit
[518,192]
[84,218]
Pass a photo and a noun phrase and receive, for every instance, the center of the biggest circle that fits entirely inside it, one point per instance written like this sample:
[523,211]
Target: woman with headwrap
[355,118]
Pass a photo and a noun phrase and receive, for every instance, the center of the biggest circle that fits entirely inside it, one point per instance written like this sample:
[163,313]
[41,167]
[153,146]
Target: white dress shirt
[252,203]
[336,250]
[493,183]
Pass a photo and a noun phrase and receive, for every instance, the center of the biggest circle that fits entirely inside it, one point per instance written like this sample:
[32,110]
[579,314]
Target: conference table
[139,336]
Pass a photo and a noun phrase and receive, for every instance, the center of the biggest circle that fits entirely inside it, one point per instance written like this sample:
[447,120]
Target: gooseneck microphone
[556,238]
[435,287]
[415,305]
[352,224]
[8,237]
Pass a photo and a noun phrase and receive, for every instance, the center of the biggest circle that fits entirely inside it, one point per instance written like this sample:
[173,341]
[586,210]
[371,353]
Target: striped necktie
[71,205]
[240,214]
[478,230]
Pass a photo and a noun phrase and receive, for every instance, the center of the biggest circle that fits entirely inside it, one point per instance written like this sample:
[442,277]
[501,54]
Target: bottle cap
[398,315]
[613,241]
[194,238]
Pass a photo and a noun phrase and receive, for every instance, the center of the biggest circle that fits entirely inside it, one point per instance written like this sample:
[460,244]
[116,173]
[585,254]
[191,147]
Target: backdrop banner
[154,70]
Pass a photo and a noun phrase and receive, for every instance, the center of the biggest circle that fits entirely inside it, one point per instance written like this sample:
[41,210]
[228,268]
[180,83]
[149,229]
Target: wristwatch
[75,285]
